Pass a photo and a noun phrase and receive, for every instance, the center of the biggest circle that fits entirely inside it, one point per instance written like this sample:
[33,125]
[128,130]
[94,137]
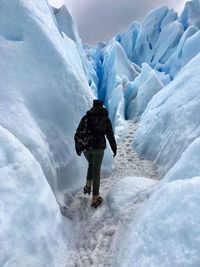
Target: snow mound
[128,191]
[32,230]
[167,233]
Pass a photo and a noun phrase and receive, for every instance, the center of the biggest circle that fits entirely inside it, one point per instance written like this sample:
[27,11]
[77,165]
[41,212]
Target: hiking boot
[87,190]
[96,201]
[87,187]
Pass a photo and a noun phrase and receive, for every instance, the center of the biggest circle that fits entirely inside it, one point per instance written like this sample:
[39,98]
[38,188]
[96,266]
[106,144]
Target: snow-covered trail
[95,229]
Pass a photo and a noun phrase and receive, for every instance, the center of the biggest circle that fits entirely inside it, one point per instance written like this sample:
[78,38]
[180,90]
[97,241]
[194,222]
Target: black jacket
[93,128]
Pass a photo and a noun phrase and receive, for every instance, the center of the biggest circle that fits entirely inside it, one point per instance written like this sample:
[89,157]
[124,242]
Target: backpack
[96,125]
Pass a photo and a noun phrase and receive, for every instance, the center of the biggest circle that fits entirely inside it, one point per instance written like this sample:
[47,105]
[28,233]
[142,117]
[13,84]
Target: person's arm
[79,135]
[111,138]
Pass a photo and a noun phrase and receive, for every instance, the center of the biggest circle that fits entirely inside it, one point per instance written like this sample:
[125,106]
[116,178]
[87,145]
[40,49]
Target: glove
[114,153]
[78,151]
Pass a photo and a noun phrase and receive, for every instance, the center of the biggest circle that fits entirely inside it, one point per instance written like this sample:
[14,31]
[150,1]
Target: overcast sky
[99,20]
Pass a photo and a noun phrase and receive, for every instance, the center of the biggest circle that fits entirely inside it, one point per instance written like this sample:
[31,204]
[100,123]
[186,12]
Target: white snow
[128,191]
[32,230]
[166,231]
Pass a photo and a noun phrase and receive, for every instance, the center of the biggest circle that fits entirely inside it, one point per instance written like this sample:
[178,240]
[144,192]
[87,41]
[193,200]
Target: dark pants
[94,158]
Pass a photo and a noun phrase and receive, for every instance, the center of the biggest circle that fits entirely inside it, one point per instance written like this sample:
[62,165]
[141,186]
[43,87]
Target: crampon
[87,190]
[96,202]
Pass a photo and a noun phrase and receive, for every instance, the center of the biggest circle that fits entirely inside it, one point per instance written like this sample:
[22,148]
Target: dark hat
[97,103]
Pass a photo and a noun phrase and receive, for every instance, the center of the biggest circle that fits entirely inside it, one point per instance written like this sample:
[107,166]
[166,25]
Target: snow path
[95,229]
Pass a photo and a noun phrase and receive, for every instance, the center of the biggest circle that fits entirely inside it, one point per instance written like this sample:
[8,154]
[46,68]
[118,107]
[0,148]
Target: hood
[97,111]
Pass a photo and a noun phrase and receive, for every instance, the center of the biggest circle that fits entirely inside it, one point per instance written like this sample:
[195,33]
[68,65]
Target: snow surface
[128,191]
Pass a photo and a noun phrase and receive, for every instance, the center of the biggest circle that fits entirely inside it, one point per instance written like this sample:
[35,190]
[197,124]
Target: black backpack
[97,125]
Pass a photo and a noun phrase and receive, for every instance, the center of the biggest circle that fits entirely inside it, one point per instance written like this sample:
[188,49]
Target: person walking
[90,139]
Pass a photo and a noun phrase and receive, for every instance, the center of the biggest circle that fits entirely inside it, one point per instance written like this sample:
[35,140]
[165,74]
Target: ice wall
[139,92]
[32,231]
[67,27]
[190,14]
[128,39]
[66,24]
[156,23]
[44,92]
[178,58]
[42,83]
[117,72]
[188,164]
[171,122]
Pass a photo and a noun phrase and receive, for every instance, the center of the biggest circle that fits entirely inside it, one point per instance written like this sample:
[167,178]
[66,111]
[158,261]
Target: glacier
[48,81]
